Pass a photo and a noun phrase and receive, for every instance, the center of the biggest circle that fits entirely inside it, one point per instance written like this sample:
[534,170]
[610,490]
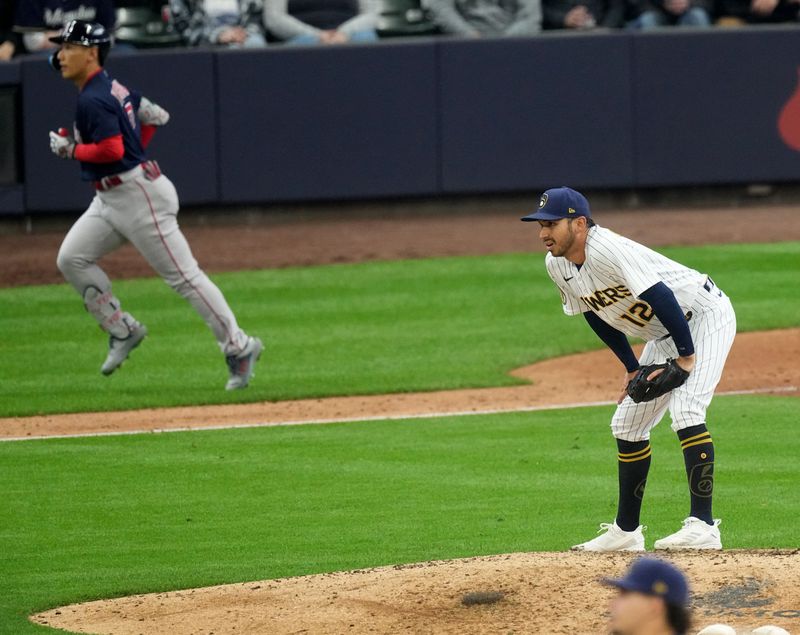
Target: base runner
[133,202]
[623,288]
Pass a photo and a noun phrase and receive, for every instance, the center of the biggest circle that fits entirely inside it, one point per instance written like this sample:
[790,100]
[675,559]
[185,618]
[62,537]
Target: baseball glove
[641,389]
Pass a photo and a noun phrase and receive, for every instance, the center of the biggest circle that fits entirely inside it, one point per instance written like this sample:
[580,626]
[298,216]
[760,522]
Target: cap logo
[543,201]
[660,587]
[571,210]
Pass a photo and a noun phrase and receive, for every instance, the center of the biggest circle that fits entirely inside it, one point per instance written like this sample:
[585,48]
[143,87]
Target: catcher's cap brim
[619,583]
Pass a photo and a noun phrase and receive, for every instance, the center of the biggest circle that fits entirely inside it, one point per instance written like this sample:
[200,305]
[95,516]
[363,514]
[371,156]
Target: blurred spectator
[145,24]
[321,21]
[660,13]
[231,23]
[741,12]
[10,43]
[653,599]
[404,18]
[487,18]
[39,20]
[583,14]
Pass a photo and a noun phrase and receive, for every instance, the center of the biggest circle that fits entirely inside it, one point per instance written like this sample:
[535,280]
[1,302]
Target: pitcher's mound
[530,593]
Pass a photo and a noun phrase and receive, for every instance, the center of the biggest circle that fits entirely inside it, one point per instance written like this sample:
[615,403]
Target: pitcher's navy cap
[558,203]
[654,577]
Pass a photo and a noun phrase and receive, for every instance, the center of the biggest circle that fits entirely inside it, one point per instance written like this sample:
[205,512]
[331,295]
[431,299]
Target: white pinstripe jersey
[615,272]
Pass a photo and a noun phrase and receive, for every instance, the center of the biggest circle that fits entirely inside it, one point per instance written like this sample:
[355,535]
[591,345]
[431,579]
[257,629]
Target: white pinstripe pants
[145,212]
[713,328]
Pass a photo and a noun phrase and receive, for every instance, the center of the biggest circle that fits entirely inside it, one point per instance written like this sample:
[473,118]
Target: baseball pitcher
[623,288]
[133,202]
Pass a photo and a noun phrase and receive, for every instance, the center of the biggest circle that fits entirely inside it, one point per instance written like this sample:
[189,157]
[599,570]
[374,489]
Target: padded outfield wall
[423,117]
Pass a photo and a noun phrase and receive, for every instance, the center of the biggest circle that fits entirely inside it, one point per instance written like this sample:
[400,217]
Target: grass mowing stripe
[87,518]
[367,328]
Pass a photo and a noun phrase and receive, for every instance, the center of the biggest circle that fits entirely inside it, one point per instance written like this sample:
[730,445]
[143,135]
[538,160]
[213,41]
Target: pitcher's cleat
[614,539]
[695,534]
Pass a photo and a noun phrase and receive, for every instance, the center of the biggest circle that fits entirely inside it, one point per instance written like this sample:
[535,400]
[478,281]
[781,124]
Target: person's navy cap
[654,577]
[558,203]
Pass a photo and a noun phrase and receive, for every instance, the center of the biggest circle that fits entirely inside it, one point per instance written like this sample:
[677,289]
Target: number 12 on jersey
[639,310]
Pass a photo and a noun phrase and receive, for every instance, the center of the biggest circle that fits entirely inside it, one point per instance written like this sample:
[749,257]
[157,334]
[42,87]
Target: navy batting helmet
[86,34]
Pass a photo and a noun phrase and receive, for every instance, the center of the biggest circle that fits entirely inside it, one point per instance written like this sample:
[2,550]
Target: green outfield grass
[99,517]
[348,329]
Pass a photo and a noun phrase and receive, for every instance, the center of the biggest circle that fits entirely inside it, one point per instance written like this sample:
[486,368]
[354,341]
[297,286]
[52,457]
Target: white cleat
[241,366]
[119,349]
[695,534]
[769,629]
[614,539]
